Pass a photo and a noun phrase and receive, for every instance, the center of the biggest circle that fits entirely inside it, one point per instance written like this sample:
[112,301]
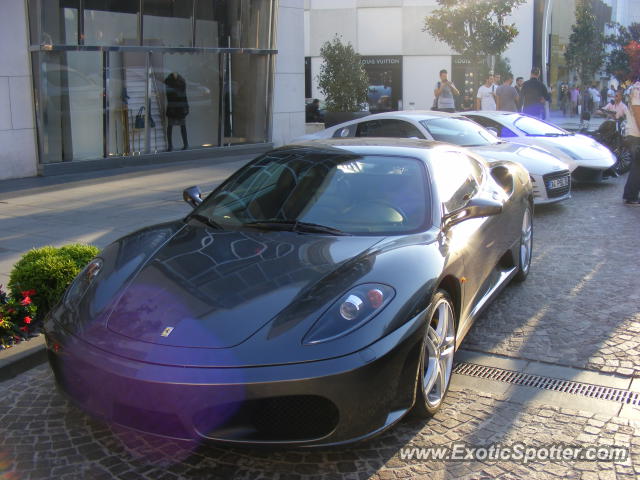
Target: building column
[18,157]
[288,104]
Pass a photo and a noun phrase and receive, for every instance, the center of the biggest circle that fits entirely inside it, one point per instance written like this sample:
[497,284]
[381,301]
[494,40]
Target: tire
[436,356]
[525,248]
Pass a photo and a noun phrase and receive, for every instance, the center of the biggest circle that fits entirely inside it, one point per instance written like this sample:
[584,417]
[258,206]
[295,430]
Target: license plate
[558,183]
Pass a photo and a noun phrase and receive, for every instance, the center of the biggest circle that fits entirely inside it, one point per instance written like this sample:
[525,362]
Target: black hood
[214,289]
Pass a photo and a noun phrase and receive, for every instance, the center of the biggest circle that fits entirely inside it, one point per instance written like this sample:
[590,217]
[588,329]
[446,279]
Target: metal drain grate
[548,383]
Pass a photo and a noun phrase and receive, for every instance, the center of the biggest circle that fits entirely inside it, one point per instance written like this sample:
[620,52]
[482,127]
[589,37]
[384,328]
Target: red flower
[27,320]
[27,293]
[11,310]
[24,328]
[25,301]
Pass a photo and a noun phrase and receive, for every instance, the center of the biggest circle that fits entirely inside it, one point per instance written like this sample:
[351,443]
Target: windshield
[459,131]
[535,127]
[323,192]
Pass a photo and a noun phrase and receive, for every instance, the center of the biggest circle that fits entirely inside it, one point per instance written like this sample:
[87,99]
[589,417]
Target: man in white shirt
[632,187]
[618,107]
[486,99]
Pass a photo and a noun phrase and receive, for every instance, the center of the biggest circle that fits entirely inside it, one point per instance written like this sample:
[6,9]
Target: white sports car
[587,160]
[550,177]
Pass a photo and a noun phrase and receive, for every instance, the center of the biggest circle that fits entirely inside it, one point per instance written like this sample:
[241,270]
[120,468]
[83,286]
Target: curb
[22,357]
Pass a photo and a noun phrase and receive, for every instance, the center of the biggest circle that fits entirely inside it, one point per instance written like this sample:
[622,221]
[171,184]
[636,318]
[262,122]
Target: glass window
[235,23]
[459,131]
[53,22]
[69,93]
[111,22]
[168,23]
[534,127]
[388,128]
[503,132]
[371,194]
[246,99]
[458,178]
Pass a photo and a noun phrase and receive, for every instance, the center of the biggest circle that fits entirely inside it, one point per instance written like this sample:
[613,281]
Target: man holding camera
[444,92]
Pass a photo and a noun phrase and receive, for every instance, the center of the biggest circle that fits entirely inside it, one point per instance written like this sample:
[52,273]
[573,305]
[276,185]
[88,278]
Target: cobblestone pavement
[42,437]
[580,305]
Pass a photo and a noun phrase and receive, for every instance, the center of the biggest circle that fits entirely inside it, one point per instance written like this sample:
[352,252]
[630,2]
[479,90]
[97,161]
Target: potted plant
[343,81]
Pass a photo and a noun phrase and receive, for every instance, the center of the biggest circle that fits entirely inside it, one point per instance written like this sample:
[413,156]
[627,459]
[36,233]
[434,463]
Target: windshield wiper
[295,226]
[206,220]
[555,135]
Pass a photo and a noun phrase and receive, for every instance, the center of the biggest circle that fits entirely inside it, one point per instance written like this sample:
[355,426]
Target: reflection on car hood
[214,289]
[535,160]
[578,147]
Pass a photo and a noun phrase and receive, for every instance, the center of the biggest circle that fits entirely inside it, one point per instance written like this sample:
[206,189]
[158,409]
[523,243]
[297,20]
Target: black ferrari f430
[314,298]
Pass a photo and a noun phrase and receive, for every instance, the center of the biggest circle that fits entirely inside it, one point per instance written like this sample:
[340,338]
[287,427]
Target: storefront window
[168,23]
[70,98]
[236,23]
[149,97]
[197,108]
[110,22]
[54,21]
[246,99]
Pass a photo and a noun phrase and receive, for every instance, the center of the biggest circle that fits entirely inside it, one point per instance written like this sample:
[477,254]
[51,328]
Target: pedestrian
[617,107]
[518,87]
[595,98]
[497,80]
[177,108]
[486,97]
[507,97]
[611,94]
[632,187]
[563,99]
[534,95]
[444,92]
[312,112]
[574,94]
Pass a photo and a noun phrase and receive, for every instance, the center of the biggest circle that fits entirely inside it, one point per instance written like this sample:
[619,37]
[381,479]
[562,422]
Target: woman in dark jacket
[177,107]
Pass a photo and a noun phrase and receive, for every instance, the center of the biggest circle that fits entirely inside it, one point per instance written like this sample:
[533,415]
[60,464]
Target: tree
[342,78]
[503,67]
[473,28]
[623,55]
[585,52]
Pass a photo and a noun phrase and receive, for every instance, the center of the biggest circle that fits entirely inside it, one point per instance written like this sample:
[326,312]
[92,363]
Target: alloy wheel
[439,347]
[526,242]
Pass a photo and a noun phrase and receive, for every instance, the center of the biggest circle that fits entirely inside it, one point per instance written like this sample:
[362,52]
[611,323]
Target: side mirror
[493,130]
[476,208]
[192,195]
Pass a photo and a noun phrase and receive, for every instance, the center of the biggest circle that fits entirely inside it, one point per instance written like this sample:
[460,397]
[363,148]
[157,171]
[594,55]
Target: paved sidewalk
[97,207]
[572,122]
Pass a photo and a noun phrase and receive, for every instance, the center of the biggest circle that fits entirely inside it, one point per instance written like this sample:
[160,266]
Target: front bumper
[317,403]
[546,191]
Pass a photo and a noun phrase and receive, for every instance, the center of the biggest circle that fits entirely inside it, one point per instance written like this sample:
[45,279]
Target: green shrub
[49,271]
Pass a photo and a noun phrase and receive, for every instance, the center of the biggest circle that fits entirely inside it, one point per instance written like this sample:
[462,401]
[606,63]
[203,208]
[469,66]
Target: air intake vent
[548,383]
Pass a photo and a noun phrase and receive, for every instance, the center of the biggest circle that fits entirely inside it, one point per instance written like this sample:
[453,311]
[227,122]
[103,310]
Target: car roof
[406,114]
[491,113]
[367,142]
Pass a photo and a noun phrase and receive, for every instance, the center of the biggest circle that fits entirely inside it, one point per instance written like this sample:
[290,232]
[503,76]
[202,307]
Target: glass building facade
[118,78]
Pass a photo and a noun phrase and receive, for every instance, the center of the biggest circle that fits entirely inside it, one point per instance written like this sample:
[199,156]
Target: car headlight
[350,311]
[82,282]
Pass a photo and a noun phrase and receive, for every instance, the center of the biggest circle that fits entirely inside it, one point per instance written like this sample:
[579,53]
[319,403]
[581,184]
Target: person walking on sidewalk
[444,92]
[534,95]
[632,187]
[486,97]
[507,96]
[518,87]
